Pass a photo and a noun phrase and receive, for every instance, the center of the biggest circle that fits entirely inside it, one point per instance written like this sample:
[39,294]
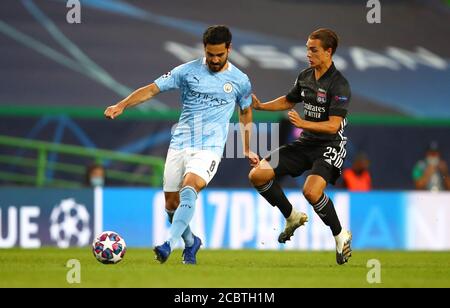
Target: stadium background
[56,79]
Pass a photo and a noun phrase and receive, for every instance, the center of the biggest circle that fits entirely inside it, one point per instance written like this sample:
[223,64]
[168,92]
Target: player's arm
[339,101]
[331,126]
[137,97]
[246,123]
[278,104]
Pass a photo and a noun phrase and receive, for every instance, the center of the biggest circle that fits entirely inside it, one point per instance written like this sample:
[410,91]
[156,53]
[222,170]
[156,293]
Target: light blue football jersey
[208,101]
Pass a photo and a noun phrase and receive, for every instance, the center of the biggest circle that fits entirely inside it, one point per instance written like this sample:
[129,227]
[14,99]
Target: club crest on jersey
[321,96]
[227,88]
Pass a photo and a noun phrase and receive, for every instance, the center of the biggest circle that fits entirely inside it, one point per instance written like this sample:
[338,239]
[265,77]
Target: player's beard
[217,67]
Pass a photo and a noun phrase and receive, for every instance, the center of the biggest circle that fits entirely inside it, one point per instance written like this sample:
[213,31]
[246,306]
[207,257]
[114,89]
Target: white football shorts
[203,163]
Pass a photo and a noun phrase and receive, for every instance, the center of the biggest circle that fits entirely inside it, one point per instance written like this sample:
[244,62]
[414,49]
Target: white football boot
[343,249]
[295,220]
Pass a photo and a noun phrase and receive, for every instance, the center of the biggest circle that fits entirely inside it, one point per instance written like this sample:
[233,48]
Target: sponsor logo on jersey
[313,111]
[208,99]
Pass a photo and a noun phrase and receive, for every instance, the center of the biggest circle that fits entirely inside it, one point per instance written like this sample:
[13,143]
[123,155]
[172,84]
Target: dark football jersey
[328,96]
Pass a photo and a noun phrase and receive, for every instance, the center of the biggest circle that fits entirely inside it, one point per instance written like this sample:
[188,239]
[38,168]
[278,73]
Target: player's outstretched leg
[324,207]
[181,219]
[295,220]
[191,242]
[262,178]
[187,236]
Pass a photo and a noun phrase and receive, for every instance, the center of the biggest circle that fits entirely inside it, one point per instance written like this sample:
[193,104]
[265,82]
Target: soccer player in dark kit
[325,95]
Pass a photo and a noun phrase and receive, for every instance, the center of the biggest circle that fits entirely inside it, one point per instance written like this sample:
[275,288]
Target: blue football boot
[189,253]
[162,252]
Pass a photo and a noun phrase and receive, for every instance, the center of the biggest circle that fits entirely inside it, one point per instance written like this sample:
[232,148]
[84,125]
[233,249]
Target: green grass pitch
[224,268]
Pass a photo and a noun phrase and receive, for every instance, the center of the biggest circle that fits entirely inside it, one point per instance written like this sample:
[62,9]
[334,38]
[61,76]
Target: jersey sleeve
[244,98]
[295,94]
[171,80]
[340,98]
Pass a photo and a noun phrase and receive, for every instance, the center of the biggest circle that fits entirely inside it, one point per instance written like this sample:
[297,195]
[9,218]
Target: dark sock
[325,209]
[273,193]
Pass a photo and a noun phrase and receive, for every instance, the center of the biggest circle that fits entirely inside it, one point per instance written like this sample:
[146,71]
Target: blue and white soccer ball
[109,247]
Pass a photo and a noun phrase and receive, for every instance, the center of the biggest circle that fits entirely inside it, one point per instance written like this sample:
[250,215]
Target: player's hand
[256,103]
[294,118]
[253,158]
[113,111]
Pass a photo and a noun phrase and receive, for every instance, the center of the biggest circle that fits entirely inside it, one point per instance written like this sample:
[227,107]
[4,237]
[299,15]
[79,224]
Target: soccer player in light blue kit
[210,87]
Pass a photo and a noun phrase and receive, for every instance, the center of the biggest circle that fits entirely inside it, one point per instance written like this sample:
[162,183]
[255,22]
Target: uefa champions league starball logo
[69,224]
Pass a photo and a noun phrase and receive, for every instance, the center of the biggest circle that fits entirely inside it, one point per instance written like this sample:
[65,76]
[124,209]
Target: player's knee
[194,181]
[252,175]
[172,204]
[312,195]
[256,177]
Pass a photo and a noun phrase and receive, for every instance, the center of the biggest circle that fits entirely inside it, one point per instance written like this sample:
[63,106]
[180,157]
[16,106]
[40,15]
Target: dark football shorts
[323,159]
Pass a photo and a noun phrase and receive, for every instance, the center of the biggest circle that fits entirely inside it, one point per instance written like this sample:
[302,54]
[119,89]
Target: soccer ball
[109,247]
